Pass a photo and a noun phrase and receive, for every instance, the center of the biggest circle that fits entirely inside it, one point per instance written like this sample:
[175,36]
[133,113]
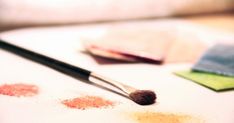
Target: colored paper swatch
[212,81]
[132,43]
[218,60]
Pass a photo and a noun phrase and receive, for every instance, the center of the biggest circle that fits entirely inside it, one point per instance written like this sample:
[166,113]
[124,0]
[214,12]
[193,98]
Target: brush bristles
[143,97]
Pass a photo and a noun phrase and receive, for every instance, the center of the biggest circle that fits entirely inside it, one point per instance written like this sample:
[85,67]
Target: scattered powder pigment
[154,117]
[18,90]
[86,102]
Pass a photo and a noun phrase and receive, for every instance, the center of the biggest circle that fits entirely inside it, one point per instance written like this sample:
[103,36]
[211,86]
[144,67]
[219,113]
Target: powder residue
[86,102]
[156,117]
[18,90]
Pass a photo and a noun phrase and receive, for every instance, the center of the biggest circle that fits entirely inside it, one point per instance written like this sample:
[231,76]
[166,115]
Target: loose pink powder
[87,102]
[18,90]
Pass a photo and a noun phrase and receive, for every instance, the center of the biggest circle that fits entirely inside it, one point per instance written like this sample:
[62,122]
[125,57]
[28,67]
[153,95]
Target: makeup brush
[142,97]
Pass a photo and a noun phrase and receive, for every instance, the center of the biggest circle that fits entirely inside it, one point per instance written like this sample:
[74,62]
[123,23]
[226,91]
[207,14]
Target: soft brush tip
[143,97]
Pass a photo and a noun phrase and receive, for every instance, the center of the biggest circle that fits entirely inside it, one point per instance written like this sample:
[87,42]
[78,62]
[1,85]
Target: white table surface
[175,94]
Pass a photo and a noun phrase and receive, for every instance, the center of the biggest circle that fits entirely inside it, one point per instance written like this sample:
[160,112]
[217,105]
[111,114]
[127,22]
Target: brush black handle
[60,66]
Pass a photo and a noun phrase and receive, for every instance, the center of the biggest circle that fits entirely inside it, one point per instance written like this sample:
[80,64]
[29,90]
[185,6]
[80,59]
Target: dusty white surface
[175,95]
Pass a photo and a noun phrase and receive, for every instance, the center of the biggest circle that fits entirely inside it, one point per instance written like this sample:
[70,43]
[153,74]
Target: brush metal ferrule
[95,78]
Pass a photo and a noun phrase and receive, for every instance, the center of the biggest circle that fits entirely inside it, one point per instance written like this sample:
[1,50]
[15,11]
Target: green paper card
[212,81]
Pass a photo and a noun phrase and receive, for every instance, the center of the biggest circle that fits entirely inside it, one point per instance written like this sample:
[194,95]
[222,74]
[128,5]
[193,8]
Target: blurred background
[149,22]
[14,13]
